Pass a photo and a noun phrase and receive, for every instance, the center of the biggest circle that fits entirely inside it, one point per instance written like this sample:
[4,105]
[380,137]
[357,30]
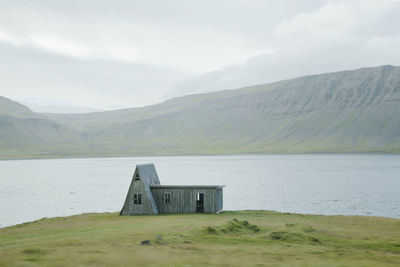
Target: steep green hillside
[349,111]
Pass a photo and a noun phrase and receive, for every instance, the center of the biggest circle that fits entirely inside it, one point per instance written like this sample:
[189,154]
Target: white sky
[114,54]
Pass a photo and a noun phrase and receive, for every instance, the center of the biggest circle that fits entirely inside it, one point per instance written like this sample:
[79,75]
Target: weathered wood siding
[220,198]
[183,200]
[129,208]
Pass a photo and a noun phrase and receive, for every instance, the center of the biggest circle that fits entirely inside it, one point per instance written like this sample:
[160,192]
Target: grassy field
[241,238]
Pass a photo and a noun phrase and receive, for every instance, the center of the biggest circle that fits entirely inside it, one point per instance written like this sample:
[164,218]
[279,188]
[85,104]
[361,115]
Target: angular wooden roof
[149,177]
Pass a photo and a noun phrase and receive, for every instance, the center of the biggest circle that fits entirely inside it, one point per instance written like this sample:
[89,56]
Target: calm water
[319,184]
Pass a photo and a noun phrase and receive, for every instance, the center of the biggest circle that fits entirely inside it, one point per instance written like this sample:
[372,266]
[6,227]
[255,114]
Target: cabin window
[167,197]
[137,199]
[137,176]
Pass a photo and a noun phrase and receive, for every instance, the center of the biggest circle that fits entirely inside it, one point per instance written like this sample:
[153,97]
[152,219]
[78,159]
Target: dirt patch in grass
[34,251]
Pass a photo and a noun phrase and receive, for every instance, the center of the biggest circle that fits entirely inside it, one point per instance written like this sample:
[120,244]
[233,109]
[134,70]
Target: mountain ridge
[15,109]
[351,111]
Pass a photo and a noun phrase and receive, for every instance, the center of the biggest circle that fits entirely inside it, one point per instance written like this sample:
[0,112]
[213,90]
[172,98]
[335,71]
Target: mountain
[25,134]
[348,111]
[15,109]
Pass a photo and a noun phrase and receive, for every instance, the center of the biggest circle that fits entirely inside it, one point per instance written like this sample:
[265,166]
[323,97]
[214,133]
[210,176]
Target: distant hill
[348,111]
[26,134]
[15,109]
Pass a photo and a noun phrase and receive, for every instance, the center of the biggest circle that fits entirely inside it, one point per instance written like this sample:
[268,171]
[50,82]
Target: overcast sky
[115,54]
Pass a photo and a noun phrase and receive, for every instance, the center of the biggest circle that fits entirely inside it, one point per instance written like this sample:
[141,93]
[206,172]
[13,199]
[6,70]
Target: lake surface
[317,184]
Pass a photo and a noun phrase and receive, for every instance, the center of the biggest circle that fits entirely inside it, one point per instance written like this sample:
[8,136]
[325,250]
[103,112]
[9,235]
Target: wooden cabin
[147,196]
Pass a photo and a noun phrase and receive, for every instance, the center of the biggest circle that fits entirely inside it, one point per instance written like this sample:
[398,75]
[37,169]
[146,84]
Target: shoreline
[188,214]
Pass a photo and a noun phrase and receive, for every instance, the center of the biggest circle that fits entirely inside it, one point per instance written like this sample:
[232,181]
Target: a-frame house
[147,196]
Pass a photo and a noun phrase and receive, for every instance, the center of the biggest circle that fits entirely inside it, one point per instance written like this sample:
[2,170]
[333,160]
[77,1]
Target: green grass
[242,238]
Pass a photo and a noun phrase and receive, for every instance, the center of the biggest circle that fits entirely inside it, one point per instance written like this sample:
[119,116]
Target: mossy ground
[242,238]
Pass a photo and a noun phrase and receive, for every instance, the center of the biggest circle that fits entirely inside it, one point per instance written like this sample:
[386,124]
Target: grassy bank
[240,238]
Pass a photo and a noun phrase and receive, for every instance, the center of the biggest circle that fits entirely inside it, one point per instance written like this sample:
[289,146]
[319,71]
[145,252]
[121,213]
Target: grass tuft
[296,233]
[233,226]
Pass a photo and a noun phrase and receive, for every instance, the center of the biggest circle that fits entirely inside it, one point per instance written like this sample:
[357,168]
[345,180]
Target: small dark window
[167,197]
[137,199]
[137,176]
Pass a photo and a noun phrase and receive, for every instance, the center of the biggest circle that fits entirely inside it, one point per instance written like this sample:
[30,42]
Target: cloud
[121,32]
[108,54]
[60,45]
[329,21]
[338,35]
[7,38]
[34,76]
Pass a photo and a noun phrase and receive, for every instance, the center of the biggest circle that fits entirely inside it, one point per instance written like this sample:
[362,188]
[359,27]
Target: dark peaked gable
[147,175]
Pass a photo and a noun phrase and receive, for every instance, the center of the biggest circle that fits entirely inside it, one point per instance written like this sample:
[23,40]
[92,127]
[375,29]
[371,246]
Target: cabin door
[200,202]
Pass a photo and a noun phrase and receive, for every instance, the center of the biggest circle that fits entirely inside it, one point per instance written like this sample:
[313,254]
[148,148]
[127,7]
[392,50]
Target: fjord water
[349,184]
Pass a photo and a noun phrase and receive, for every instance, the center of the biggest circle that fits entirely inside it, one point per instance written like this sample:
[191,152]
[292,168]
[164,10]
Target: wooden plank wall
[183,200]
[129,207]
[220,199]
